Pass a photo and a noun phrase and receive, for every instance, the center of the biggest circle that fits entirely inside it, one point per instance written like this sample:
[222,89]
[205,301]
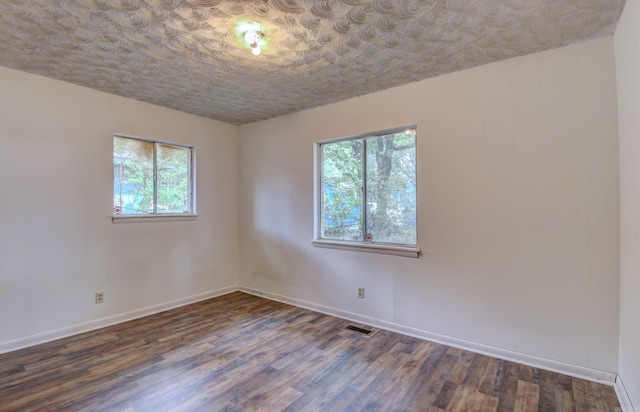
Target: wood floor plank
[427,385]
[564,393]
[467,398]
[547,391]
[384,369]
[477,371]
[461,368]
[508,386]
[493,375]
[407,374]
[328,379]
[527,397]
[446,395]
[529,374]
[588,399]
[240,352]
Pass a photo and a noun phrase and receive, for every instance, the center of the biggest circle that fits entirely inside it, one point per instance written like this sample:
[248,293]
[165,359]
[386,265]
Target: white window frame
[412,251]
[162,217]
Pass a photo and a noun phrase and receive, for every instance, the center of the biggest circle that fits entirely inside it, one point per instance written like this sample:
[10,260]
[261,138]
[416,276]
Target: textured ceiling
[186,54]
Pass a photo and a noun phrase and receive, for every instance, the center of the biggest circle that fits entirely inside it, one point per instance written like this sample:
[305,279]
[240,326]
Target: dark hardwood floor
[239,352]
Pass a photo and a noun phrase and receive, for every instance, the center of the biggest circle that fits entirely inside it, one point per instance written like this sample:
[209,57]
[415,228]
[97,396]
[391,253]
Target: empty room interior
[511,282]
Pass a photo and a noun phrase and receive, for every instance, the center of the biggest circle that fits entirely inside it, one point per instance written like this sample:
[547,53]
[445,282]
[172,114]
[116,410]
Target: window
[366,191]
[151,178]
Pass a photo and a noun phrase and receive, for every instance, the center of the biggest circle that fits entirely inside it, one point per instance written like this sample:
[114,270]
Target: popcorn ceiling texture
[185,54]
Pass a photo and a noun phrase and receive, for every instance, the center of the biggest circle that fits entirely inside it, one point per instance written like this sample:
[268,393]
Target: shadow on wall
[275,257]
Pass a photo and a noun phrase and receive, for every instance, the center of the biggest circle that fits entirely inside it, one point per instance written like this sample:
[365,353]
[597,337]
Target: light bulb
[251,37]
[254,40]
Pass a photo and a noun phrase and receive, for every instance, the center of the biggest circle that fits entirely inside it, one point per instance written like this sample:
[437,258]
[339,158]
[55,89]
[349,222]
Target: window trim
[371,247]
[153,218]
[161,217]
[413,251]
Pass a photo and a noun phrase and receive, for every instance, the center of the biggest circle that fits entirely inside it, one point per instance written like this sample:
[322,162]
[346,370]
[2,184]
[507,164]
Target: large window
[151,178]
[367,188]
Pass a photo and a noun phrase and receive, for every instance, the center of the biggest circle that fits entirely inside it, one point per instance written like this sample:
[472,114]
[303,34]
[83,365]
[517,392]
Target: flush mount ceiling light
[252,34]
[254,39]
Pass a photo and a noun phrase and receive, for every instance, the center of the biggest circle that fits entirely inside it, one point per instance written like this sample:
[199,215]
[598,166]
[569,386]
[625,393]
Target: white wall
[57,242]
[518,207]
[627,48]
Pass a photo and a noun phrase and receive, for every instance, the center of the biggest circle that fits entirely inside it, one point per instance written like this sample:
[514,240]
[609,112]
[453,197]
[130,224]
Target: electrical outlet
[361,293]
[99,297]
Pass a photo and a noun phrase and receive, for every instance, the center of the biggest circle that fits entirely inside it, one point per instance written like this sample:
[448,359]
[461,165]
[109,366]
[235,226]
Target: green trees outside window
[151,177]
[368,188]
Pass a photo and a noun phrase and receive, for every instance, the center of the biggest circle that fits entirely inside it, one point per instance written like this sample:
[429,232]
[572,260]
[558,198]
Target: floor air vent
[357,329]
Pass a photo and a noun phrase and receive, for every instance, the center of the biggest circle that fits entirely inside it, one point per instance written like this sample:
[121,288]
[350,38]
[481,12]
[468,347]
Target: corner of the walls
[623,396]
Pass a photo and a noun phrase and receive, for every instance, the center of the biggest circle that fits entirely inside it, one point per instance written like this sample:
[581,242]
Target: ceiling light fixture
[254,40]
[252,34]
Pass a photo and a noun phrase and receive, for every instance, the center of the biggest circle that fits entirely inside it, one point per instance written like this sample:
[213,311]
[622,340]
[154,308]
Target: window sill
[152,218]
[386,249]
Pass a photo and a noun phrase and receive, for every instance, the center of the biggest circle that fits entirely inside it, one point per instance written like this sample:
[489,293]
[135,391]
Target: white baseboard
[108,321]
[594,375]
[623,396]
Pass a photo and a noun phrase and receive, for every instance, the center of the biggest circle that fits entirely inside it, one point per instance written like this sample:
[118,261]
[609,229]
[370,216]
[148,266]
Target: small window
[367,189]
[151,178]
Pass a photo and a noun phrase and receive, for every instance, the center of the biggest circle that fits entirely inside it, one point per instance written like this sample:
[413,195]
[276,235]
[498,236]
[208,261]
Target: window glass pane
[341,186]
[173,179]
[132,176]
[391,188]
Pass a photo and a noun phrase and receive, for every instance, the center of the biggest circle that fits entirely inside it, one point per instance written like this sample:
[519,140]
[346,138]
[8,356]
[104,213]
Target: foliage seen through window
[151,177]
[368,188]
